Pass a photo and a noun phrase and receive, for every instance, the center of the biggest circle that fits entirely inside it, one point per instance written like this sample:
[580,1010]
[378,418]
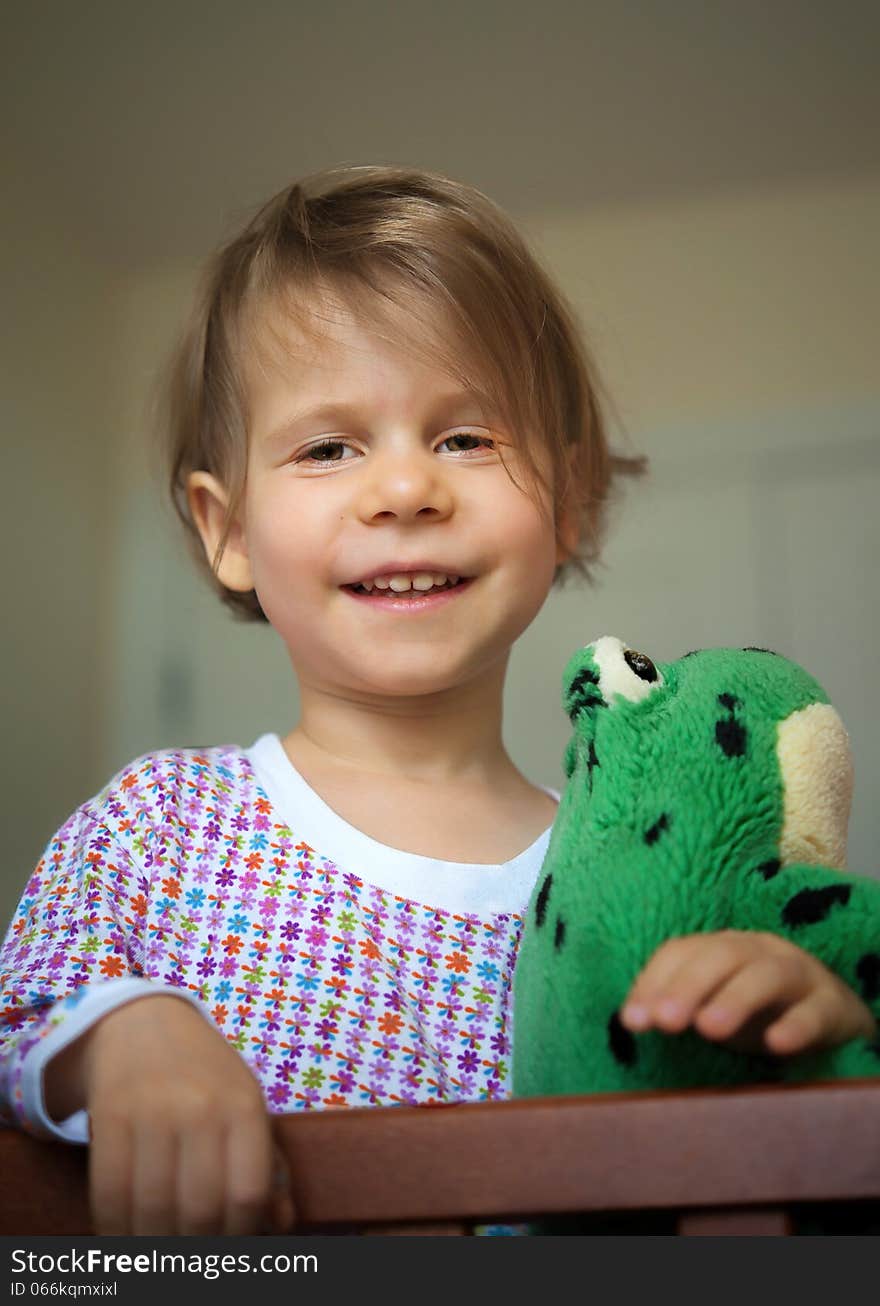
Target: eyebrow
[346,412]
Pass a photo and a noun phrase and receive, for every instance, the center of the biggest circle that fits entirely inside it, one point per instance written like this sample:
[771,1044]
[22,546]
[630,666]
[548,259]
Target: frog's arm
[834,916]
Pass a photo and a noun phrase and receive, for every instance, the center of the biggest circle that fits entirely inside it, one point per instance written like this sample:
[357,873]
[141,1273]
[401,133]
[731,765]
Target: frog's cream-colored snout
[817,776]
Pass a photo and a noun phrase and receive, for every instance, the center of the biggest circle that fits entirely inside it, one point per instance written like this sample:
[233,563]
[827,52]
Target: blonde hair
[388,239]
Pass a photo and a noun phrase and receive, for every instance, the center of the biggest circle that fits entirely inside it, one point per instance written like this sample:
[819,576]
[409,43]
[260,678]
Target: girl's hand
[752,992]
[181,1141]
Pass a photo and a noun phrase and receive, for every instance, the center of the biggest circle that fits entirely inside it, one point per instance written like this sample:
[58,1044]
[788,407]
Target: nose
[404,485]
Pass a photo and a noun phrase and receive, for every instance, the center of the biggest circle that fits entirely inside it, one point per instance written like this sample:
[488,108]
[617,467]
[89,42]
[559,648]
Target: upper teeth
[421,580]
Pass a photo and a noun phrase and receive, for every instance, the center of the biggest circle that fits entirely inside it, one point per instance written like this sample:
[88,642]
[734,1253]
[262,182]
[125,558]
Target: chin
[411,678]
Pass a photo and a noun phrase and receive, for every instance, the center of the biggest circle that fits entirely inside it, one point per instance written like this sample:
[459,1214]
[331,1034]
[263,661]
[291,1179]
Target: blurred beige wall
[56,399]
[729,304]
[738,335]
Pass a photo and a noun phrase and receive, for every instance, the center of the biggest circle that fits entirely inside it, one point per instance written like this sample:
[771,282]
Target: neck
[448,738]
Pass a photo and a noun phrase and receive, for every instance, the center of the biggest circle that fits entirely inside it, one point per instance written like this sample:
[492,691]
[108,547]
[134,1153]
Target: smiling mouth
[410,593]
[415,600]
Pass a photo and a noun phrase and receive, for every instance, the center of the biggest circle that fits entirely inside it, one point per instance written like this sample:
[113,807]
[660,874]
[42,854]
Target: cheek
[280,539]
[273,534]
[526,565]
[531,536]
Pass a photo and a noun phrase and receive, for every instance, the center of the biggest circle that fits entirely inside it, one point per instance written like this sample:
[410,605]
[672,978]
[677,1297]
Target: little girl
[384,436]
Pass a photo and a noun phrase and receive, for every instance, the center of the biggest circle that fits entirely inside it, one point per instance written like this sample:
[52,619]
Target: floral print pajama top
[345,972]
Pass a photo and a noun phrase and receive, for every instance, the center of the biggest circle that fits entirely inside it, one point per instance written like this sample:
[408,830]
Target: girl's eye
[319,449]
[322,454]
[470,435]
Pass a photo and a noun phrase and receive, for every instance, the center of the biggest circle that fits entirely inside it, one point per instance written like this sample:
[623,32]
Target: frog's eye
[641,664]
[624,671]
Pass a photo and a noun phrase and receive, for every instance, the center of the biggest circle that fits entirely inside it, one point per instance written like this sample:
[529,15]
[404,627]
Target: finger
[249,1162]
[676,990]
[201,1182]
[639,1008]
[765,984]
[830,1014]
[836,1014]
[154,1186]
[110,1176]
[803,1025]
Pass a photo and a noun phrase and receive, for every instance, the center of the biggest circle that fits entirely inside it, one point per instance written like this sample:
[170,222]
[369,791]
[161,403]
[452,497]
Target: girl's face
[362,463]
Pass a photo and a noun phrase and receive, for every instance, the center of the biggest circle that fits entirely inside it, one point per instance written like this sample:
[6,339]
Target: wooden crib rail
[717,1160]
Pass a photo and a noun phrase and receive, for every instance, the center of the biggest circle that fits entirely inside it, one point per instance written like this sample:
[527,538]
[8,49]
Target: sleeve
[74,951]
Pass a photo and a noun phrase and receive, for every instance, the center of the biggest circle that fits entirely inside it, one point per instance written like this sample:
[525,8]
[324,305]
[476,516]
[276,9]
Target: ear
[207,502]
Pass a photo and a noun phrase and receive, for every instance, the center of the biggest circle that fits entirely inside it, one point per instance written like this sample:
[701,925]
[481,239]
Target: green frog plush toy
[704,794]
